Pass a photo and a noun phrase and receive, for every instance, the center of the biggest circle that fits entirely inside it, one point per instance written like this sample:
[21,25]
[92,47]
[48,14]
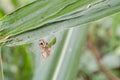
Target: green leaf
[21,60]
[36,14]
[1,67]
[52,42]
[29,24]
[63,63]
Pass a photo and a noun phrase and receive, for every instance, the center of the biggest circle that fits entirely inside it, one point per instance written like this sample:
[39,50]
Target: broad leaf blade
[95,12]
[1,67]
[63,63]
[37,14]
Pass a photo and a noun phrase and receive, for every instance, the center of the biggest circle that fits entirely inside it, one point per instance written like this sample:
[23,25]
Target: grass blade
[95,12]
[63,63]
[1,67]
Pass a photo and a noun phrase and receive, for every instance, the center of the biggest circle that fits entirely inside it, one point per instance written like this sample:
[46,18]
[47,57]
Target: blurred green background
[23,62]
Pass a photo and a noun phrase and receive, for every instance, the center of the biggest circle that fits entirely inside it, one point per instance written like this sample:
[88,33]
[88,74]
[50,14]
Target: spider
[45,49]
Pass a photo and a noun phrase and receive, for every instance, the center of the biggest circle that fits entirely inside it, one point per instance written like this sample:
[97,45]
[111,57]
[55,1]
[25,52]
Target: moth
[44,48]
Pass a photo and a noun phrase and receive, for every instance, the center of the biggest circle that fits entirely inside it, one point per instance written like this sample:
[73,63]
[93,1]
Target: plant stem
[95,53]
[1,67]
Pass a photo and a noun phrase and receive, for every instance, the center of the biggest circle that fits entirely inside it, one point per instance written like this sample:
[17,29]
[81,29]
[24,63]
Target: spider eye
[41,43]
